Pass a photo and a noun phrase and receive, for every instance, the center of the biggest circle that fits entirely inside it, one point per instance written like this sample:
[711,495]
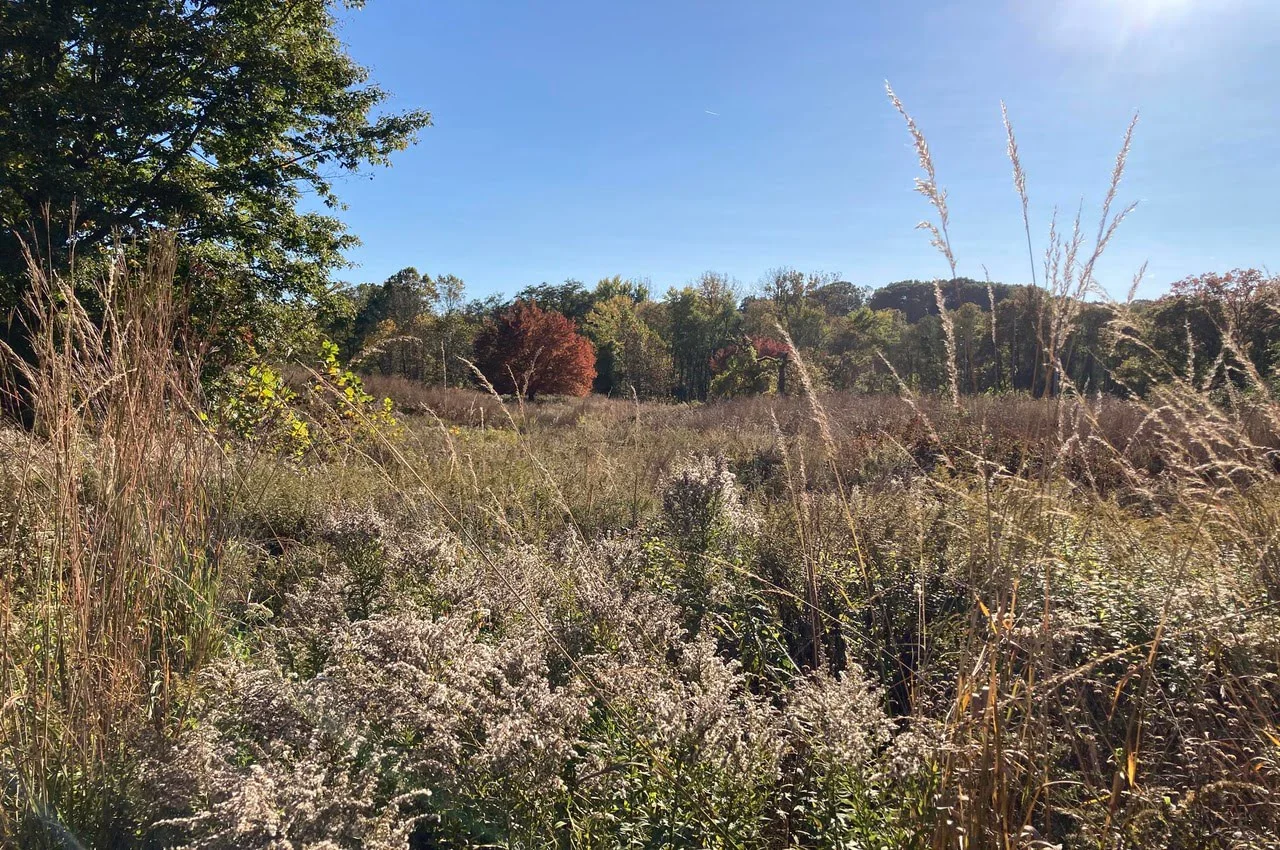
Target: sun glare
[1151,11]
[1113,26]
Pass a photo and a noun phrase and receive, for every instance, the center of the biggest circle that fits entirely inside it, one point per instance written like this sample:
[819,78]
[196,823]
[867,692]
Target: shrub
[258,406]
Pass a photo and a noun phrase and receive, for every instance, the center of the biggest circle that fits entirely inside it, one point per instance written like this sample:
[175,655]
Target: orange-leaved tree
[528,350]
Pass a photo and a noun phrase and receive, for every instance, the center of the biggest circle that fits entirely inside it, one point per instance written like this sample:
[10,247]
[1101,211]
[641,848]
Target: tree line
[712,338]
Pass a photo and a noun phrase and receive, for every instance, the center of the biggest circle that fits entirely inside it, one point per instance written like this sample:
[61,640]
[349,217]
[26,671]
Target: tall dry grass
[1047,732]
[108,593]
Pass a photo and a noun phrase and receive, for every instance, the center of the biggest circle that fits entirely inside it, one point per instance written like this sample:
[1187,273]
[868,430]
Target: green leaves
[211,119]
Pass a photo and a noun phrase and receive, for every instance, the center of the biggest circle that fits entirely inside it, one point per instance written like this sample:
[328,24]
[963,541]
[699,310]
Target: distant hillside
[916,300]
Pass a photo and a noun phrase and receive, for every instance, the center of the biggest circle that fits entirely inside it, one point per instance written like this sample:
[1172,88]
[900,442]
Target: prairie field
[804,621]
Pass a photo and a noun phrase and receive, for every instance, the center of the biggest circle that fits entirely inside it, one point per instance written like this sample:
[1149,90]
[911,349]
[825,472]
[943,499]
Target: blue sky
[662,138]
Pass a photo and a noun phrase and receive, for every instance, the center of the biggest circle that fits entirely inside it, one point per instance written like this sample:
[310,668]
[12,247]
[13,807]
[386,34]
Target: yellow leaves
[259,406]
[999,622]
[963,697]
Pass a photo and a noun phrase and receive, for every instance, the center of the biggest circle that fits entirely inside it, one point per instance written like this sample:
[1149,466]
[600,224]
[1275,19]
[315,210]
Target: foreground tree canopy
[209,118]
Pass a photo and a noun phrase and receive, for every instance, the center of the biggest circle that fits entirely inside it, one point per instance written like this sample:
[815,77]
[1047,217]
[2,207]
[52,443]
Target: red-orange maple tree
[531,351]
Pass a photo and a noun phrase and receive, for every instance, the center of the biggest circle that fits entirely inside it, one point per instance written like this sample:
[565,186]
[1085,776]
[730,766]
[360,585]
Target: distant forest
[709,339]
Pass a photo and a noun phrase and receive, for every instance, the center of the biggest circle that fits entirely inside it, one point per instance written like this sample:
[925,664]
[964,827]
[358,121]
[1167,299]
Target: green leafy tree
[1243,307]
[859,340]
[840,297]
[1088,356]
[787,288]
[973,346]
[701,319]
[401,299]
[611,287]
[415,327]
[570,298]
[1021,331]
[920,355]
[793,295]
[453,331]
[210,119]
[630,356]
